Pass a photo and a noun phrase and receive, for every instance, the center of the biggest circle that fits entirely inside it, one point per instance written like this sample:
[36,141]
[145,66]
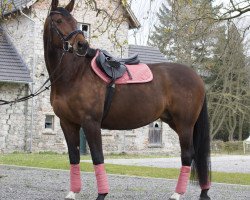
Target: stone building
[32,125]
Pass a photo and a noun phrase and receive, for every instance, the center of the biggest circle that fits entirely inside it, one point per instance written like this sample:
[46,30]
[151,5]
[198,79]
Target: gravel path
[19,183]
[230,163]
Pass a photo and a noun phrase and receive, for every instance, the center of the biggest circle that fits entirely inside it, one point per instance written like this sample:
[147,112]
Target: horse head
[61,31]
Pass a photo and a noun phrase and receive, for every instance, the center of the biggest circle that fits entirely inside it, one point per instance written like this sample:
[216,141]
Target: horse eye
[59,21]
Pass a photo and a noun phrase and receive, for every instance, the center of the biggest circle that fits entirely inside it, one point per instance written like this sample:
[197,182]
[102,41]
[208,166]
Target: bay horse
[176,95]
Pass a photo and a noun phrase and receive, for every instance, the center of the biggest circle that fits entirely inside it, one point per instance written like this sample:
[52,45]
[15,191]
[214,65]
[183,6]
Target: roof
[12,67]
[133,21]
[15,5]
[10,6]
[147,54]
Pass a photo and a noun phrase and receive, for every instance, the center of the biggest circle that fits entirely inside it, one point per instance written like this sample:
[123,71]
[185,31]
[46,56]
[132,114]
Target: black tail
[201,166]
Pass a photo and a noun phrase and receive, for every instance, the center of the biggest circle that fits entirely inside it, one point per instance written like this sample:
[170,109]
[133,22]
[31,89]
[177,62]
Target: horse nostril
[81,48]
[80,44]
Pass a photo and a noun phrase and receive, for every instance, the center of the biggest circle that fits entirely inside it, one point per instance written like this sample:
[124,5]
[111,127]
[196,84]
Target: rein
[39,91]
[67,48]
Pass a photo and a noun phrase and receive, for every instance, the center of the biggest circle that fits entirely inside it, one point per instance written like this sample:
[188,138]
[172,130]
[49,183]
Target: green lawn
[56,161]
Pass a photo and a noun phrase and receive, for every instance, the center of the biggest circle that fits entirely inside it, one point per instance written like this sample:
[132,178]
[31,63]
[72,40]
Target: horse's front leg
[92,131]
[71,133]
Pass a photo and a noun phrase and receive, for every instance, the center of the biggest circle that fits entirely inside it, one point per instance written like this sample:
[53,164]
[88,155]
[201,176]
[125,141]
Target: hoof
[204,195]
[175,196]
[101,196]
[71,196]
[205,198]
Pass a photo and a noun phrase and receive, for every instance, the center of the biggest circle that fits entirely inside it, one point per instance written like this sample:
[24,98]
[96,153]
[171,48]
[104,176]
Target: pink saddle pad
[140,73]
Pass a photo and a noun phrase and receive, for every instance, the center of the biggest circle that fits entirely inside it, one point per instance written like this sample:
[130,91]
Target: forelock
[63,11]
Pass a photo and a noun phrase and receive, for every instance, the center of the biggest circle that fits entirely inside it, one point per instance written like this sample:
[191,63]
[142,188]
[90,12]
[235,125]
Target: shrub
[229,147]
[217,146]
[233,146]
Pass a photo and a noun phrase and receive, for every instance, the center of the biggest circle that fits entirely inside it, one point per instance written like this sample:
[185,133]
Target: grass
[126,156]
[57,161]
[236,152]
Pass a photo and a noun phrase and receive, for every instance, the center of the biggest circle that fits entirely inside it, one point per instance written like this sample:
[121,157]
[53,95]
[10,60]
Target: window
[85,28]
[155,133]
[49,122]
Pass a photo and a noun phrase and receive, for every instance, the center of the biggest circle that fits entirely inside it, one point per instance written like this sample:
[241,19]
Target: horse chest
[76,107]
[59,107]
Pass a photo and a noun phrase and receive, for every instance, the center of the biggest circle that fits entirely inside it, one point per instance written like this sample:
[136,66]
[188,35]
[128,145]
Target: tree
[5,6]
[234,9]
[180,37]
[228,10]
[188,33]
[228,90]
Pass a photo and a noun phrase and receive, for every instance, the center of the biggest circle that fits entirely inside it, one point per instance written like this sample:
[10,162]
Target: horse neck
[65,68]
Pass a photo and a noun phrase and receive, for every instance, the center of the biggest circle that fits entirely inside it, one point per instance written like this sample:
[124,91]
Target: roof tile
[147,54]
[12,67]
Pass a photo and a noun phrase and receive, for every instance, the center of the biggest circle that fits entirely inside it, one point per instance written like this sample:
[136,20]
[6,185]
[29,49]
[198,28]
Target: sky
[145,11]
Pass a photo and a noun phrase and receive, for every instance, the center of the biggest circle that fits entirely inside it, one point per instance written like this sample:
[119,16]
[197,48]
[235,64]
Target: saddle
[115,67]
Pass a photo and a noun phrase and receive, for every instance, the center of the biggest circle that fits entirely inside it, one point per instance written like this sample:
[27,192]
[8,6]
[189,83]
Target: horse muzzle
[81,48]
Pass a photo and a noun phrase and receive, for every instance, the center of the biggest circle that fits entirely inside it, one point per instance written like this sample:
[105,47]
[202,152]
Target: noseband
[67,47]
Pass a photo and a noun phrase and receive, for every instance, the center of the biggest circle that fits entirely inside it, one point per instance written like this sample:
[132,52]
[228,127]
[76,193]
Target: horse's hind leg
[187,152]
[204,195]
[92,131]
[71,133]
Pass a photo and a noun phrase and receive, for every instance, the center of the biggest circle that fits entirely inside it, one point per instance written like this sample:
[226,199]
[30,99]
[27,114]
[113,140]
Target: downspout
[32,84]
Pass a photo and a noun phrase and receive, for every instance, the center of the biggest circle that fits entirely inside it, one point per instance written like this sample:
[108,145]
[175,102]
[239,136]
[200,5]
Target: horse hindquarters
[201,166]
[195,150]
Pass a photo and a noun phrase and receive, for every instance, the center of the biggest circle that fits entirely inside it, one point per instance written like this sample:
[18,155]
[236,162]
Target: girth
[114,68]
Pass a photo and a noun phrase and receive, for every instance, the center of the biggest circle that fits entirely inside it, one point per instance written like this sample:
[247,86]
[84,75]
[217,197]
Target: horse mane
[63,11]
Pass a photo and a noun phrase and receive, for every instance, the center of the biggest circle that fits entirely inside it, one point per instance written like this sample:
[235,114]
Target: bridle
[67,47]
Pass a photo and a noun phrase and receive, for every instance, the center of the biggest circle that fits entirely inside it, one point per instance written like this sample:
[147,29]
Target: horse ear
[54,4]
[70,6]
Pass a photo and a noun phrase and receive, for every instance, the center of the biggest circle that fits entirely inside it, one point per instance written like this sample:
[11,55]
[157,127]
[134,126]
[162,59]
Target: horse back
[140,104]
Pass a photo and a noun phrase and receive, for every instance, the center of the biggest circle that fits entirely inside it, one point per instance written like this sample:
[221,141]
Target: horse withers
[176,95]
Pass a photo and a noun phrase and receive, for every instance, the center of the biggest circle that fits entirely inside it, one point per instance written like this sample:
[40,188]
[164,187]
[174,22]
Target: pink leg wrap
[102,179]
[206,187]
[181,186]
[75,178]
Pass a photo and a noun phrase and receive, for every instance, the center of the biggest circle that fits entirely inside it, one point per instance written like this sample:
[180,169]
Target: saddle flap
[139,73]
[113,68]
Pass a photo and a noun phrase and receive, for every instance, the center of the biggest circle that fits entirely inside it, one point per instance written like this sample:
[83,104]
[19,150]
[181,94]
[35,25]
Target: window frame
[80,24]
[51,122]
[49,130]
[151,131]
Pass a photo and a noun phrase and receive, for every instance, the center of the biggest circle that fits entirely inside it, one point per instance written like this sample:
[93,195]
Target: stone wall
[137,141]
[15,119]
[28,39]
